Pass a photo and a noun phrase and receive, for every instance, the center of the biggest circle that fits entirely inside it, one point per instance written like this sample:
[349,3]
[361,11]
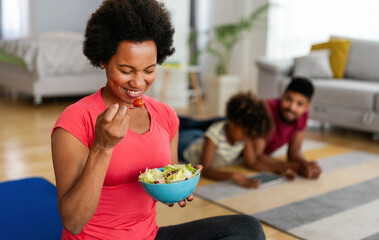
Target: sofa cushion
[362,62]
[339,51]
[314,65]
[347,93]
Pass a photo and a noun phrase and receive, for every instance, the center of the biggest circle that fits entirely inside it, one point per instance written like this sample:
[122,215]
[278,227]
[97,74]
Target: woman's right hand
[245,181]
[111,126]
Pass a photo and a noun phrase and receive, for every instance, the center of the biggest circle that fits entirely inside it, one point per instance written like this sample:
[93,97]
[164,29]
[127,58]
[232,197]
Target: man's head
[296,99]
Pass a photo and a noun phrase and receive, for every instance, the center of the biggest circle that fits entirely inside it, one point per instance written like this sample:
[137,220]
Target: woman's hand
[111,126]
[183,203]
[244,181]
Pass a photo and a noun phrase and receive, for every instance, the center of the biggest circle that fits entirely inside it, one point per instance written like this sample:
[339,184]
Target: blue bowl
[171,192]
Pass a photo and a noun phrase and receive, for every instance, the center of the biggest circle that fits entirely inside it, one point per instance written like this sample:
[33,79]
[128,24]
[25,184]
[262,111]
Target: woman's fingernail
[124,108]
[116,105]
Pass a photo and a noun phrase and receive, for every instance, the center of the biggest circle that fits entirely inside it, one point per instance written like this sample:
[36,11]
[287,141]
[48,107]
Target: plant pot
[218,90]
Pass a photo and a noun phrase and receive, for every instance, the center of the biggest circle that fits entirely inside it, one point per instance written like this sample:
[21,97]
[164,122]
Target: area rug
[342,204]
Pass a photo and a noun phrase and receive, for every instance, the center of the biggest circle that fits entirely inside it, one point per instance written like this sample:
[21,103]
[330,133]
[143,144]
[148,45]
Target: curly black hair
[127,20]
[250,113]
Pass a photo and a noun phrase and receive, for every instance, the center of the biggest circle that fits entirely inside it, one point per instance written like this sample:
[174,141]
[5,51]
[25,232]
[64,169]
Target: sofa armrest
[271,72]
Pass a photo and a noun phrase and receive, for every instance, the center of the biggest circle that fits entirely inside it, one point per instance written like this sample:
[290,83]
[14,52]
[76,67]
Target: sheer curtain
[294,25]
[14,18]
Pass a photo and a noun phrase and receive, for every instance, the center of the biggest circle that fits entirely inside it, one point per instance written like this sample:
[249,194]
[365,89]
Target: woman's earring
[101,66]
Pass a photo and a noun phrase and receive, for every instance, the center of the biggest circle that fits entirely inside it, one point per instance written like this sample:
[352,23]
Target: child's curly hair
[127,20]
[250,113]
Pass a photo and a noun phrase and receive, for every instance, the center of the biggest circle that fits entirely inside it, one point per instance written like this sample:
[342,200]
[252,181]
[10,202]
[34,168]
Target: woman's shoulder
[79,118]
[83,107]
[79,106]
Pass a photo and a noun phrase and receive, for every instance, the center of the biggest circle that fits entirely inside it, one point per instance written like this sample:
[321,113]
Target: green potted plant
[221,41]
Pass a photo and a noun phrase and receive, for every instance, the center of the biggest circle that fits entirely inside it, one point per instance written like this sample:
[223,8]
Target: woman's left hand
[183,203]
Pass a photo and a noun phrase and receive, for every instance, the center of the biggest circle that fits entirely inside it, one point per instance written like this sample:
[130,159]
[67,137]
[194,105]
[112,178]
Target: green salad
[171,174]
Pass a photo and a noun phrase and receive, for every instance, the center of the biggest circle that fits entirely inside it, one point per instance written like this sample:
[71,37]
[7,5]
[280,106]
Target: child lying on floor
[226,139]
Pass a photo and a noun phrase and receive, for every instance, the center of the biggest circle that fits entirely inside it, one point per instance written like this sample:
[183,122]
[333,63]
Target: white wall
[257,41]
[72,15]
[215,12]
[180,16]
[177,94]
[67,15]
[1,20]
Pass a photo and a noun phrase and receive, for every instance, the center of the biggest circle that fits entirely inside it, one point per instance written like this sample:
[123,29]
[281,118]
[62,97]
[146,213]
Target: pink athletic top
[282,133]
[125,211]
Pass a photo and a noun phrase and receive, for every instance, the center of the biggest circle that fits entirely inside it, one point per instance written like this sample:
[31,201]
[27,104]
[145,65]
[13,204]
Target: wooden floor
[25,151]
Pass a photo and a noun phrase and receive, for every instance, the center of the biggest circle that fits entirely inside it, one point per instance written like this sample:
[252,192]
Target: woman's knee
[248,226]
[254,225]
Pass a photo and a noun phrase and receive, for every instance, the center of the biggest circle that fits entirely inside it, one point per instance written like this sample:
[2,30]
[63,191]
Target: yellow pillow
[339,51]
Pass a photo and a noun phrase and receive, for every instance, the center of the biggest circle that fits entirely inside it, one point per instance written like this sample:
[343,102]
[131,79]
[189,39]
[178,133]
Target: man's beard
[286,121]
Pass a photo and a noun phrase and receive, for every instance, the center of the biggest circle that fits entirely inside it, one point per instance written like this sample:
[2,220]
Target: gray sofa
[351,102]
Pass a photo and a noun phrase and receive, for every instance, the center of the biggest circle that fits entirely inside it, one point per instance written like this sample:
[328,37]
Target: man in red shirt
[290,115]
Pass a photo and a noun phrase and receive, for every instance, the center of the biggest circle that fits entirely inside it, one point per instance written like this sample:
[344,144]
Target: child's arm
[250,154]
[209,172]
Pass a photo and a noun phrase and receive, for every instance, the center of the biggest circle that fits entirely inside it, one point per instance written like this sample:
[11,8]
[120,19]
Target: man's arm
[256,159]
[308,169]
[294,148]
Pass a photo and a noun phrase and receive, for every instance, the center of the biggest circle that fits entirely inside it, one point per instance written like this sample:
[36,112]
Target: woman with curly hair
[225,140]
[100,144]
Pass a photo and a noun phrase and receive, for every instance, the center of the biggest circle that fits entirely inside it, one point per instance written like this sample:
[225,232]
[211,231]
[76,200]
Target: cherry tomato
[138,103]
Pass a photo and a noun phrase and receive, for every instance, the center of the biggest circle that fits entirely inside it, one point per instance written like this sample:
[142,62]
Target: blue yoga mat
[28,210]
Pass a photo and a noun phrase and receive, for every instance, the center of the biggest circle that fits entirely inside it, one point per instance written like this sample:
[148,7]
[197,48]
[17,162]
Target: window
[294,25]
[14,18]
